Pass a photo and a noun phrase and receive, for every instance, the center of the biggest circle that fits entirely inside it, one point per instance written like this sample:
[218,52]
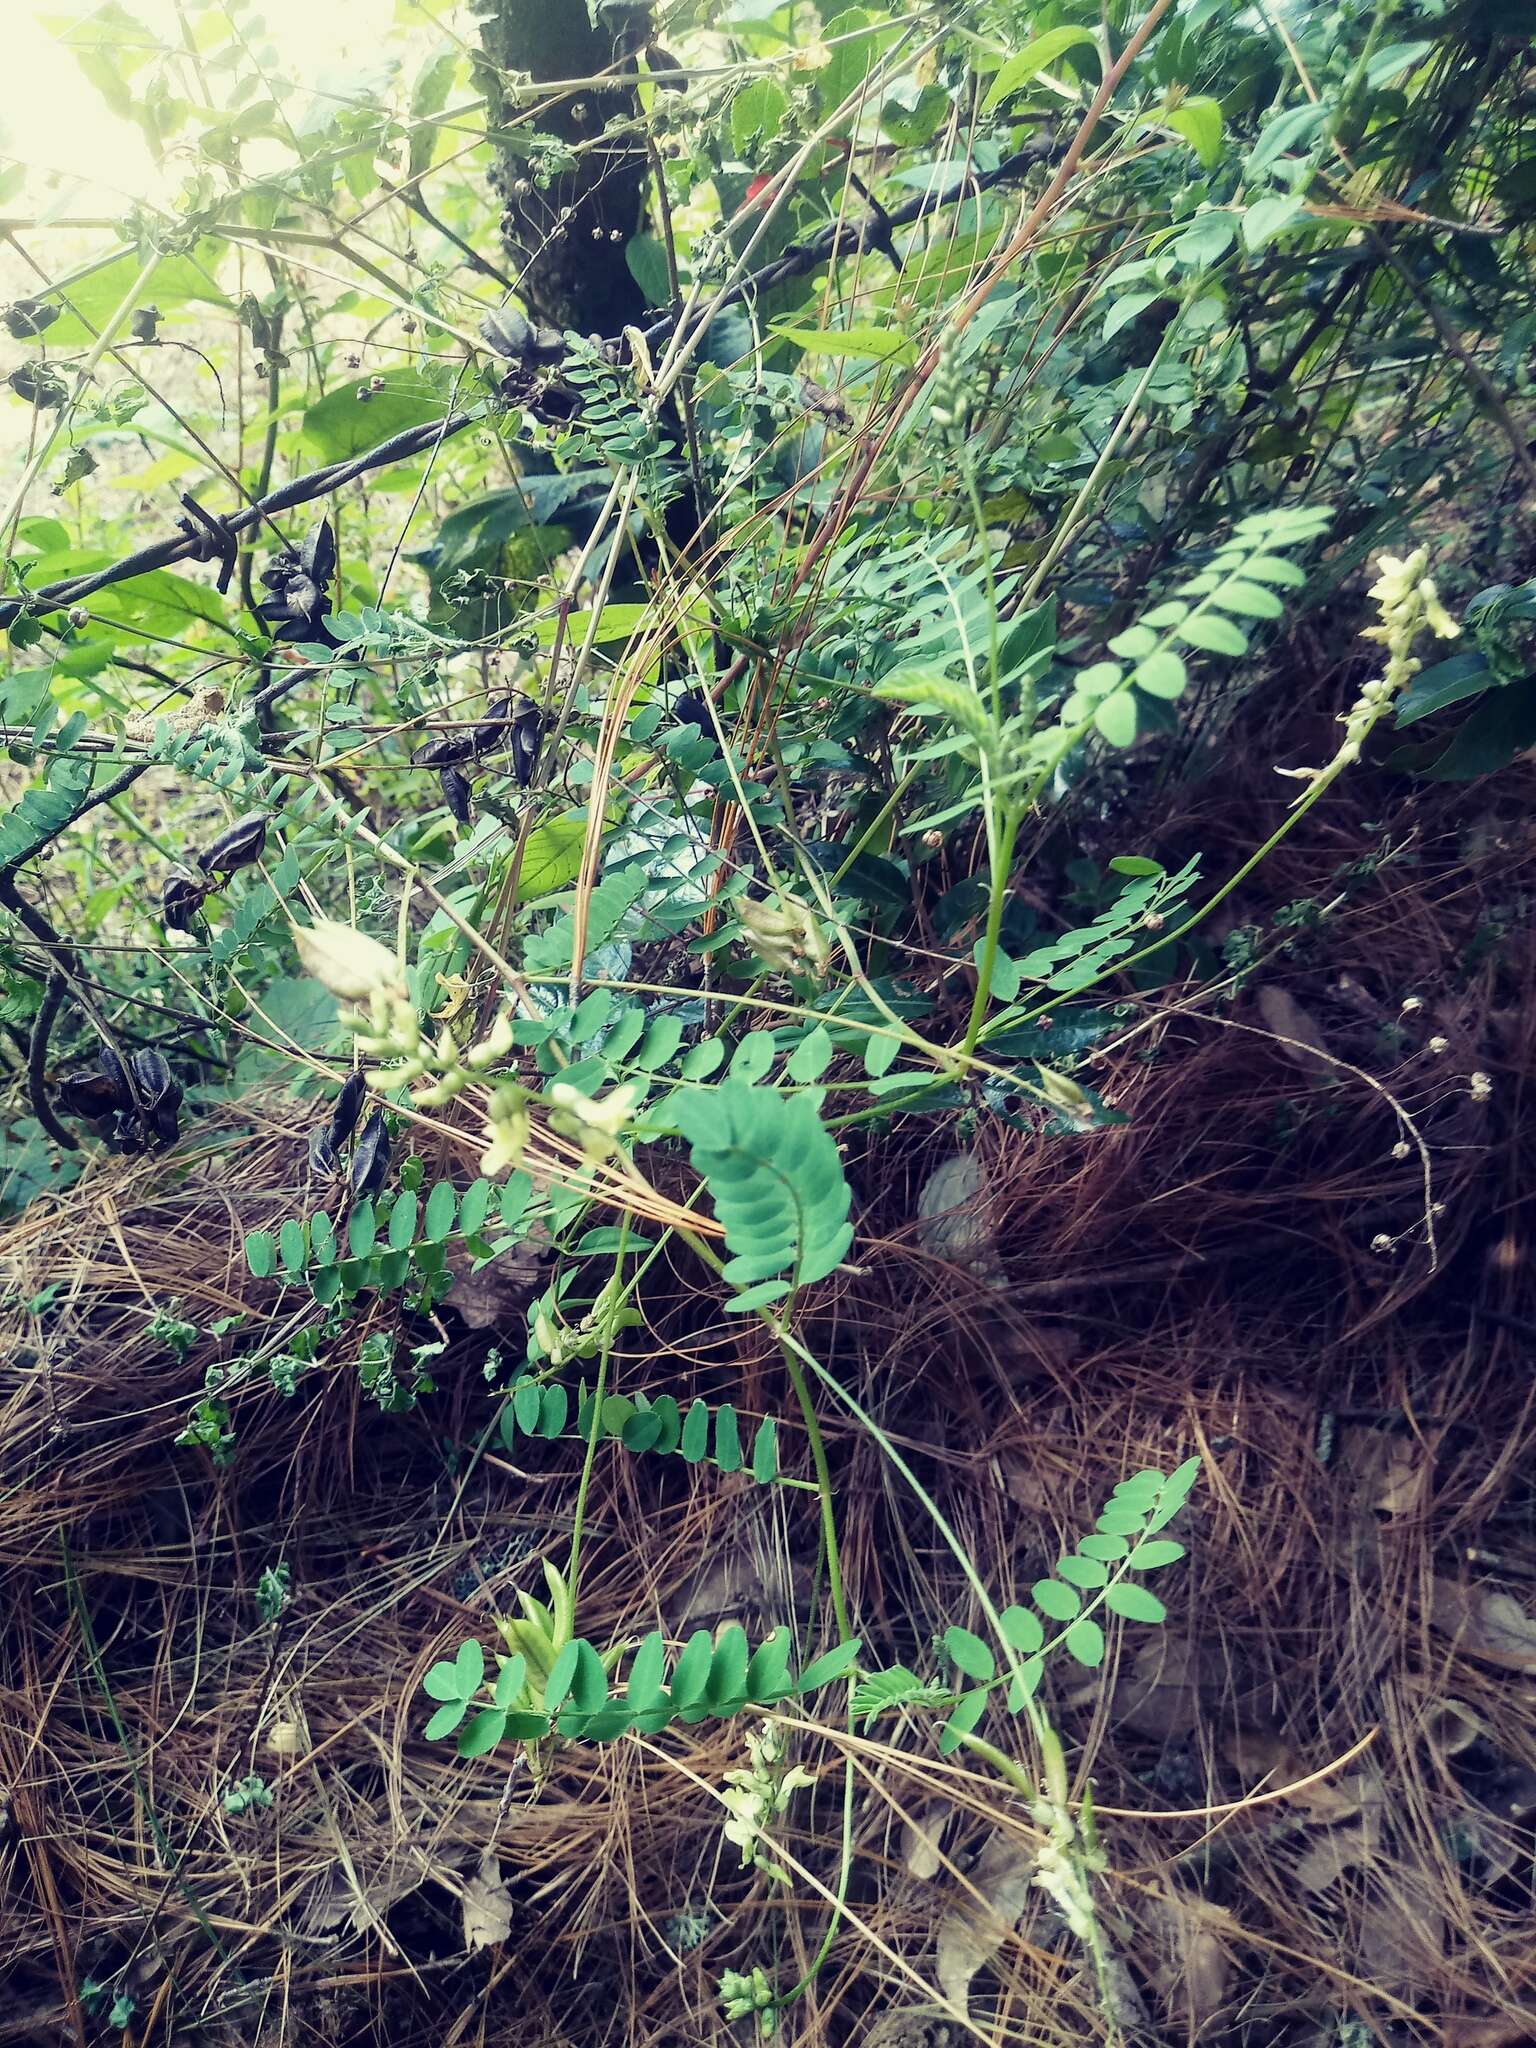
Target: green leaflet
[777,1183]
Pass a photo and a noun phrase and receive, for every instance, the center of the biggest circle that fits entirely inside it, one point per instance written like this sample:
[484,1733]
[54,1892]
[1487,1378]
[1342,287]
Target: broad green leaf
[510,1680]
[765,1452]
[728,1668]
[470,1665]
[1021,1631]
[835,1663]
[1214,634]
[1115,718]
[402,1221]
[562,1674]
[690,1674]
[261,1254]
[589,1682]
[1135,1603]
[442,1208]
[1085,1642]
[695,1445]
[877,344]
[968,1711]
[768,1671]
[1198,120]
[483,1732]
[1054,1599]
[340,424]
[1082,1571]
[1036,56]
[969,1654]
[446,1719]
[444,1682]
[646,1671]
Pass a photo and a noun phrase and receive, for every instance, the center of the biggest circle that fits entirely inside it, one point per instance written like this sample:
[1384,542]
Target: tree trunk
[565,238]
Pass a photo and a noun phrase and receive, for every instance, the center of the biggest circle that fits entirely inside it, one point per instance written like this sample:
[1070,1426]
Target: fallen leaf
[497,1296]
[972,1931]
[487,1906]
[361,1903]
[957,1219]
[1163,1692]
[1298,1032]
[1489,1624]
[1194,1977]
[1268,1761]
[920,1839]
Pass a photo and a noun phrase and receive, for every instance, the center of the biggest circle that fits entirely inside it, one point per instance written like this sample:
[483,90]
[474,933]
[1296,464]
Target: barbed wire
[841,238]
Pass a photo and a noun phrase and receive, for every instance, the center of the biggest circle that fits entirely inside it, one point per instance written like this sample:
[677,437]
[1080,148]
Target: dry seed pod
[117,1075]
[159,1094]
[527,738]
[445,751]
[370,1158]
[322,1153]
[456,792]
[237,847]
[345,1110]
[494,729]
[180,900]
[92,1096]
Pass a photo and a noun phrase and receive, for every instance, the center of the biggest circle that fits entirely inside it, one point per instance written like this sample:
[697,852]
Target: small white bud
[346,961]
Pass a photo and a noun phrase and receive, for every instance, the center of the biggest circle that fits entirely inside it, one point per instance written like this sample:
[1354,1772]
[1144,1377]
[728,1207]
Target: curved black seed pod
[243,842]
[117,1075]
[181,898]
[26,317]
[456,792]
[166,1116]
[92,1096]
[527,739]
[445,751]
[152,1075]
[127,1131]
[322,1153]
[370,1158]
[495,729]
[299,583]
[347,1104]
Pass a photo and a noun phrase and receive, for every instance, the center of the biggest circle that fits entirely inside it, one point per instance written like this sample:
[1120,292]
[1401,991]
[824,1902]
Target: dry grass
[1362,1568]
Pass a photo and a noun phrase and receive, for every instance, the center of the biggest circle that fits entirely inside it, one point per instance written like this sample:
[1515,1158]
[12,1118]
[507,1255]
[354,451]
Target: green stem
[590,1459]
[1001,862]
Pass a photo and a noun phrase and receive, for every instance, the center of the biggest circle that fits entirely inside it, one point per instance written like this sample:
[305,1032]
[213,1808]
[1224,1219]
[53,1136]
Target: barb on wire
[213,533]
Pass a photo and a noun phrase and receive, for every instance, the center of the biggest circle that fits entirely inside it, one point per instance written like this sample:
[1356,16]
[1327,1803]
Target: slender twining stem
[589,1459]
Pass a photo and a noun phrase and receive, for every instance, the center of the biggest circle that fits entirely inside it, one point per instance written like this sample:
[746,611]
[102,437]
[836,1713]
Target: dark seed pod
[166,1116]
[345,1109]
[39,384]
[180,900]
[322,1153]
[527,739]
[117,1077]
[145,325]
[235,848]
[691,709]
[456,792]
[509,334]
[370,1158]
[445,751]
[26,317]
[92,1096]
[495,729]
[151,1075]
[127,1131]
